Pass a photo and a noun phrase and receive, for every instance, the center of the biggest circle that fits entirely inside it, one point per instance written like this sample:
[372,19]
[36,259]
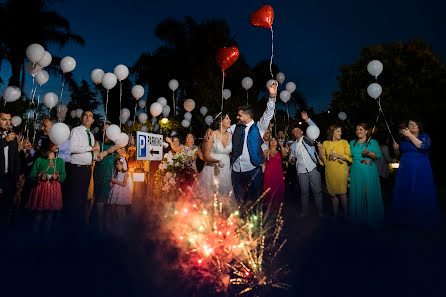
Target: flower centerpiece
[175,173]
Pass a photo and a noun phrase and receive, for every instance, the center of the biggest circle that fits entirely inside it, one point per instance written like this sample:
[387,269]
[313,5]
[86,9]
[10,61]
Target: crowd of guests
[89,176]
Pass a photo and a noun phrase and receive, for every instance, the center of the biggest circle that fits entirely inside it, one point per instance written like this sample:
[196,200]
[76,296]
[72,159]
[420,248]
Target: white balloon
[79,113]
[121,120]
[97,75]
[208,120]
[203,110]
[95,129]
[121,71]
[73,114]
[142,103]
[122,140]
[313,132]
[155,127]
[42,77]
[162,101]
[280,77]
[290,87]
[185,123]
[247,83]
[32,68]
[16,121]
[173,133]
[374,90]
[375,68]
[46,60]
[173,84]
[226,94]
[61,117]
[342,116]
[109,80]
[269,82]
[285,96]
[59,133]
[67,64]
[144,129]
[11,94]
[113,132]
[125,114]
[156,109]
[188,116]
[62,109]
[35,52]
[189,105]
[142,117]
[137,92]
[166,111]
[50,100]
[129,123]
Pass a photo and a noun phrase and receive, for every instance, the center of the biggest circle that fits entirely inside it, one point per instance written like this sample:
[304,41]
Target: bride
[217,169]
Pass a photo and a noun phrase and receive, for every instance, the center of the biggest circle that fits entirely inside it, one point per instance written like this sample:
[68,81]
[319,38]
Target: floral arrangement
[176,172]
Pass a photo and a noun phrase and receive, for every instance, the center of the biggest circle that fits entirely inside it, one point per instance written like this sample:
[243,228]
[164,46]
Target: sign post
[149,147]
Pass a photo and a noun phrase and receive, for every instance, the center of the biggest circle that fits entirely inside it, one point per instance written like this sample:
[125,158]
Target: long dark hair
[366,128]
[215,125]
[45,149]
[116,162]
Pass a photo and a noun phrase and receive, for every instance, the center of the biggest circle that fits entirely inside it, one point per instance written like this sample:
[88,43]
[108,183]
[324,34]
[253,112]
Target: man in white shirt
[247,155]
[82,156]
[303,153]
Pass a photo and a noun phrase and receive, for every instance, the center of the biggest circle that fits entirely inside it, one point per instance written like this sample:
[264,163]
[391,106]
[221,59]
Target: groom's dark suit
[247,156]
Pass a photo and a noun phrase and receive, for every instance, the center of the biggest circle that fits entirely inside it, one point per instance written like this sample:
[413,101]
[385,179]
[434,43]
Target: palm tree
[26,22]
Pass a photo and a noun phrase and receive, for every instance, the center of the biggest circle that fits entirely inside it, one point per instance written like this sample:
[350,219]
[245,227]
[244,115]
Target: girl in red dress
[46,194]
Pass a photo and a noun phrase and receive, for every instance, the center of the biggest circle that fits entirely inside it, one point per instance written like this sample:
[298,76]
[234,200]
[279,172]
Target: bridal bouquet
[176,172]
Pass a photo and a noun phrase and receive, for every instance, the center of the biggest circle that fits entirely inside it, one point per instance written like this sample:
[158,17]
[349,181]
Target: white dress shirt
[6,152]
[304,163]
[243,163]
[79,147]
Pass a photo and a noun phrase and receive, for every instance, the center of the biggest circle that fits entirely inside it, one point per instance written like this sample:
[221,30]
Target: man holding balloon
[82,156]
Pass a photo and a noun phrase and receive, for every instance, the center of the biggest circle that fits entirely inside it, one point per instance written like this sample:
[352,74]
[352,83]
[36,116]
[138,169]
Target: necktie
[89,143]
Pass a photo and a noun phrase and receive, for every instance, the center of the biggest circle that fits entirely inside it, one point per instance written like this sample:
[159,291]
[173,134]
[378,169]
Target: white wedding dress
[205,185]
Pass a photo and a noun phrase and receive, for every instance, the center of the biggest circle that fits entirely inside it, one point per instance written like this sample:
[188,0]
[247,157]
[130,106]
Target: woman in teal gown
[366,204]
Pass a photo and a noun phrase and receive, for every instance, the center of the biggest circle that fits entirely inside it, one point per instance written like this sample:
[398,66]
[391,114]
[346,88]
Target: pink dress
[120,195]
[273,178]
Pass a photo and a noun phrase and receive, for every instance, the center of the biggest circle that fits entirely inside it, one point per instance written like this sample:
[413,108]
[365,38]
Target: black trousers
[247,186]
[76,191]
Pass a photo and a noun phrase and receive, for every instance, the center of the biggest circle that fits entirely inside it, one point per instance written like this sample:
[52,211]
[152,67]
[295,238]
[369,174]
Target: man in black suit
[9,167]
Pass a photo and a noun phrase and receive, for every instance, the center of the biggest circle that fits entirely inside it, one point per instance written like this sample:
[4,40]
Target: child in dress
[120,195]
[46,194]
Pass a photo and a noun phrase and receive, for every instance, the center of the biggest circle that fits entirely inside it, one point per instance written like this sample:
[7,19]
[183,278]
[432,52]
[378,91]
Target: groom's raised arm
[270,106]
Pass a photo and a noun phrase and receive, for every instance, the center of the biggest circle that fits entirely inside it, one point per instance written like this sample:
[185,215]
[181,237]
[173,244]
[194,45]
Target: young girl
[273,176]
[120,195]
[46,194]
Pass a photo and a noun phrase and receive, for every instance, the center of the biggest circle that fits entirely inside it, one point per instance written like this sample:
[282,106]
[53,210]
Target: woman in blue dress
[366,203]
[414,195]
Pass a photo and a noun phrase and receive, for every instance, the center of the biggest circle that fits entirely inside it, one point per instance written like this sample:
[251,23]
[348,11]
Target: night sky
[312,39]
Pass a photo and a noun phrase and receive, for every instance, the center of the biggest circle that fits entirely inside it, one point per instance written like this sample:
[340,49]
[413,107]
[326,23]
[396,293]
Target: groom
[247,155]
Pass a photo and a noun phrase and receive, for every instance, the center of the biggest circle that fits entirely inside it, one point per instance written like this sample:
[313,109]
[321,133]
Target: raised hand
[396,146]
[272,88]
[304,116]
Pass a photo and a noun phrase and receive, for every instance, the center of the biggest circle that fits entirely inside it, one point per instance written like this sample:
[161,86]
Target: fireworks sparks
[227,247]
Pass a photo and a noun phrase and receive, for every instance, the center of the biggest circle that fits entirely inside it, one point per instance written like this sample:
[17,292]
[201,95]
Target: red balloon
[226,56]
[263,17]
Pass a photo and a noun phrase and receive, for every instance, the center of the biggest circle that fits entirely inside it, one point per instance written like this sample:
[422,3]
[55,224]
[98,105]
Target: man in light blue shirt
[303,153]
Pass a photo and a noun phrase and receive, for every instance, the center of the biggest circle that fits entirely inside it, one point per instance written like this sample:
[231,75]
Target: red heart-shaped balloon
[226,56]
[263,17]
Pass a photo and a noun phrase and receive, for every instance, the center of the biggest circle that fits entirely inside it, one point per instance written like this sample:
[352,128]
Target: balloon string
[134,116]
[373,130]
[61,91]
[173,99]
[247,97]
[222,88]
[272,53]
[32,90]
[120,95]
[105,120]
[288,122]
[381,110]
